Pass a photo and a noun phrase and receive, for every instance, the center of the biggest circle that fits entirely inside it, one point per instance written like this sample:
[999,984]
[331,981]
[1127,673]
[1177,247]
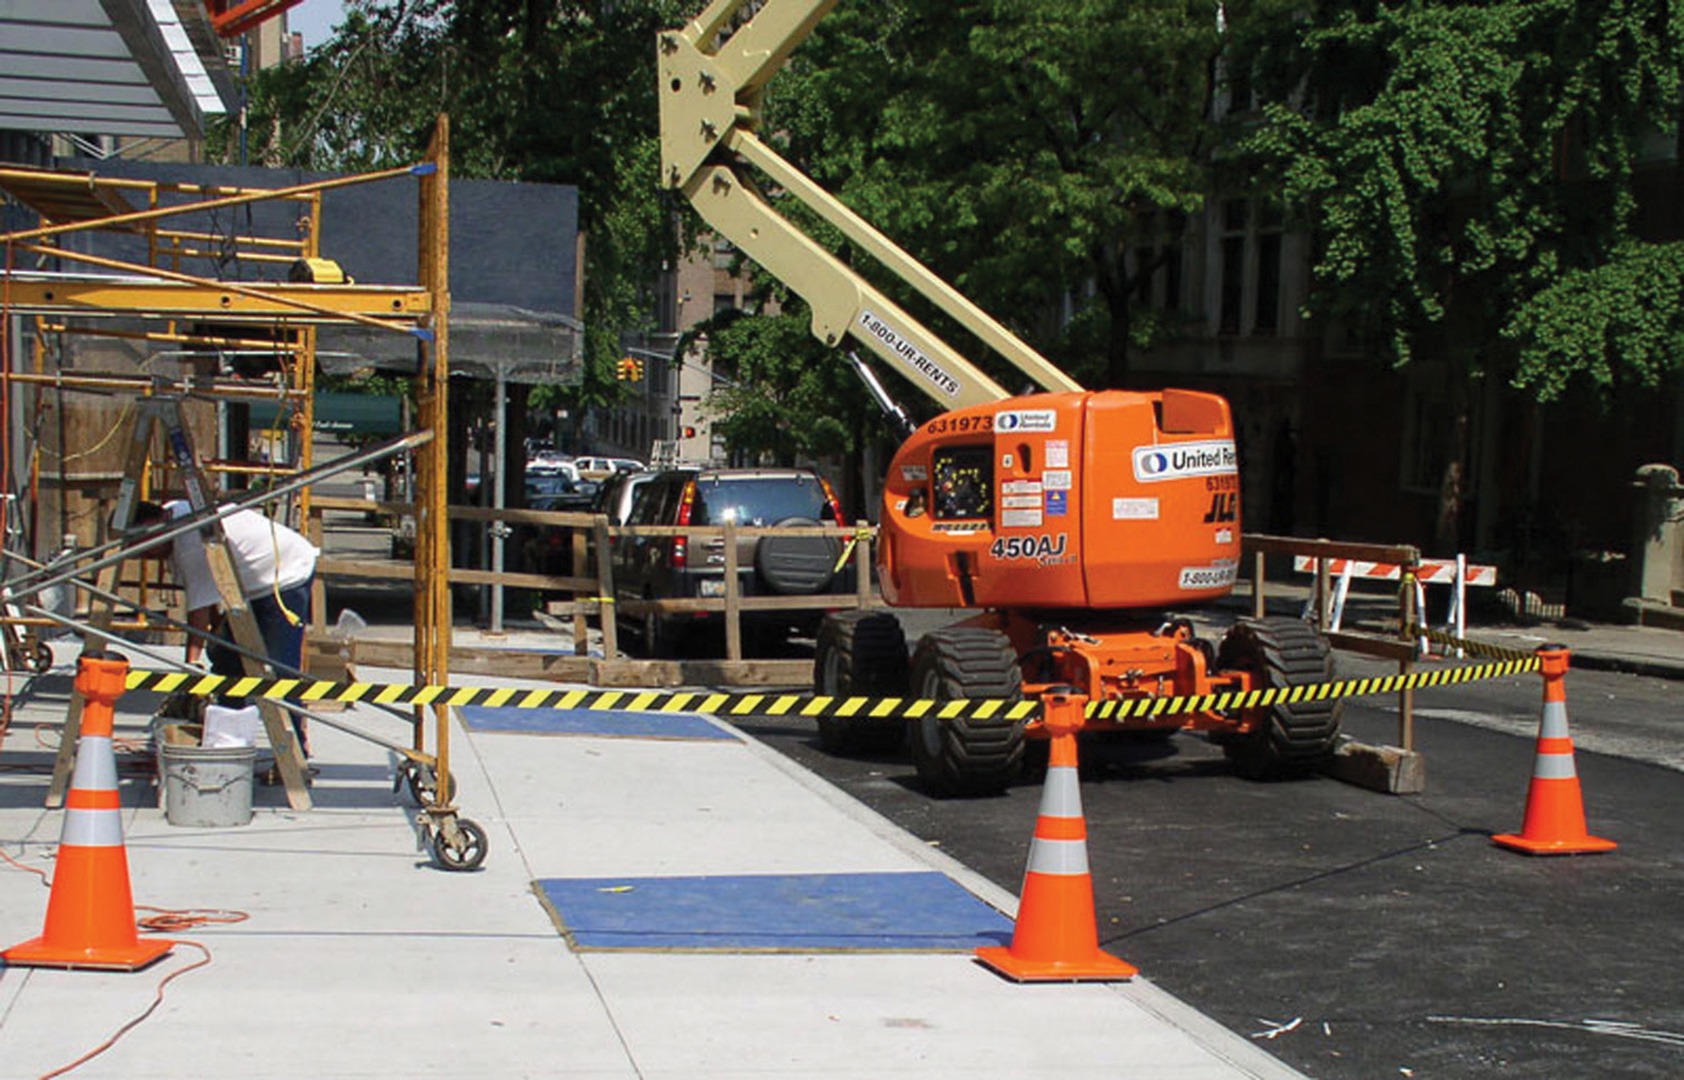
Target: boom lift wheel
[1293,738]
[960,756]
[860,654]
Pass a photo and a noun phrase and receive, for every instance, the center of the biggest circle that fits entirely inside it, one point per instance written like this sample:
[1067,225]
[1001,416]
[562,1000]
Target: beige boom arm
[710,107]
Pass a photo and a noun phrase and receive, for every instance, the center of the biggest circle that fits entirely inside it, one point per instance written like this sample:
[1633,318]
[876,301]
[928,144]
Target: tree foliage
[1461,162]
[782,394]
[1023,149]
[550,91]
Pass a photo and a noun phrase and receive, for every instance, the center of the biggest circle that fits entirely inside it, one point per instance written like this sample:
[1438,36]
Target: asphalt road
[1378,936]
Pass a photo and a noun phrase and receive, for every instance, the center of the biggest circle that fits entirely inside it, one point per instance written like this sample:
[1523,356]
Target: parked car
[675,567]
[615,495]
[600,468]
[548,549]
[552,466]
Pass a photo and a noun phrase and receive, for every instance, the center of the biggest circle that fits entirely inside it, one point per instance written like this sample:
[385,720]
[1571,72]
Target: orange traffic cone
[90,915]
[1555,808]
[1055,937]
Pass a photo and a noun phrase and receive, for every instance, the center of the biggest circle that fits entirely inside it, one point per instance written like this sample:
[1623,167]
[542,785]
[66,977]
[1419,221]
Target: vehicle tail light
[835,503]
[679,555]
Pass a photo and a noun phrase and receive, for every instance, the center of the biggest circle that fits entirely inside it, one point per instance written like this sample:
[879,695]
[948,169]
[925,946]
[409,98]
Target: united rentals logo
[1177,460]
[909,352]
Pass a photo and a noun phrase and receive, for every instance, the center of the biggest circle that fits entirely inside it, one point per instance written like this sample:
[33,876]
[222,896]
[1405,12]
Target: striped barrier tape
[1507,662]
[1122,709]
[1472,648]
[716,704]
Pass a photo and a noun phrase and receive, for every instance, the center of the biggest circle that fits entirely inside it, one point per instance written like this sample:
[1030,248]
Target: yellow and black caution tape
[1123,709]
[1472,648]
[306,691]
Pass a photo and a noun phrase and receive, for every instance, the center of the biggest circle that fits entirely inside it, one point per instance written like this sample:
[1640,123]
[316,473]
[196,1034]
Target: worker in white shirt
[275,566]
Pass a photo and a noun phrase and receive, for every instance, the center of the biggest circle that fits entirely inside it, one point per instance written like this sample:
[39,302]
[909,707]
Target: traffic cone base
[1590,845]
[1554,822]
[42,953]
[1098,966]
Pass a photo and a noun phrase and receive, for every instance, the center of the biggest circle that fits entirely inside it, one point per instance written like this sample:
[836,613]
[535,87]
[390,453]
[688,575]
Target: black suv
[660,567]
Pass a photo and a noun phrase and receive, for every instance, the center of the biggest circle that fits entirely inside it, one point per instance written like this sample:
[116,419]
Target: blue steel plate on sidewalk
[632,725]
[915,911]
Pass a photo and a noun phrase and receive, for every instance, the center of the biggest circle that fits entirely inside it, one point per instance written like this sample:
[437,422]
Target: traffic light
[628,370]
[689,432]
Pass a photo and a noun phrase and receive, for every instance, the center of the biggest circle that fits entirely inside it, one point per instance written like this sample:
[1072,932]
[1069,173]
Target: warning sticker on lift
[1219,575]
[1134,509]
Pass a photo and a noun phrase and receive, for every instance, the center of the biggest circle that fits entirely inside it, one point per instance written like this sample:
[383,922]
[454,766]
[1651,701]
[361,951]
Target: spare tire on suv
[796,565]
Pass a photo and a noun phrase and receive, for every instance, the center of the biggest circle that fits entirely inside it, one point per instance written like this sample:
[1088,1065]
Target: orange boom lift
[1075,522]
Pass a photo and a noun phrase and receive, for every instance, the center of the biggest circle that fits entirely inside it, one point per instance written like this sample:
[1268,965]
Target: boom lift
[1073,520]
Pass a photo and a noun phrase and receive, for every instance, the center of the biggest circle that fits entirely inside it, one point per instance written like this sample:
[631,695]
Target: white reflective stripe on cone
[1554,725]
[1061,796]
[96,765]
[92,828]
[1065,858]
[1554,767]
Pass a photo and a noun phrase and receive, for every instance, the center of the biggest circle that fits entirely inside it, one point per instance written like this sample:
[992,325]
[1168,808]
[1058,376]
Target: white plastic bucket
[206,787]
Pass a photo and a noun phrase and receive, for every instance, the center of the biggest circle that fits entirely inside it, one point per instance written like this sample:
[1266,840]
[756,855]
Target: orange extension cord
[162,920]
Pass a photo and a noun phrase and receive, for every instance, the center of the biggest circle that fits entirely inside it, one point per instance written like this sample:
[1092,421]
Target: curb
[1630,665]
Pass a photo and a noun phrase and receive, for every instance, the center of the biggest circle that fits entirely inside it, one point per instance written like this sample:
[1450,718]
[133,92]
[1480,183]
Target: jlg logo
[1224,506]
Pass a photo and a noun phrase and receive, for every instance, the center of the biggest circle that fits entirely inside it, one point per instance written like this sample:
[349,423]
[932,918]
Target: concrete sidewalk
[361,960]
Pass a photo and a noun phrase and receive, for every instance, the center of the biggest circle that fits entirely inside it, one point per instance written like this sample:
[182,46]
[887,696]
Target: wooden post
[1406,696]
[605,604]
[432,541]
[1258,605]
[581,558]
[862,563]
[1323,594]
[733,597]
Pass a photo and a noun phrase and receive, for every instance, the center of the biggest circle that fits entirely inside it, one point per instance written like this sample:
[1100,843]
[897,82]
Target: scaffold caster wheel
[422,782]
[41,658]
[458,845]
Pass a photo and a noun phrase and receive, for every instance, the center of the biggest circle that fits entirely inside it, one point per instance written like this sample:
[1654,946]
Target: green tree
[556,92]
[781,395]
[1043,155]
[1468,170]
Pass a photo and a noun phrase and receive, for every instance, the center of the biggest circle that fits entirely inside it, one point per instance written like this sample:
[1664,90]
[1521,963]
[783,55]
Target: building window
[723,302]
[1251,257]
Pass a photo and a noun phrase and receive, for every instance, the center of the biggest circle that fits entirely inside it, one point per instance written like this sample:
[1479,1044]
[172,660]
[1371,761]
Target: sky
[315,19]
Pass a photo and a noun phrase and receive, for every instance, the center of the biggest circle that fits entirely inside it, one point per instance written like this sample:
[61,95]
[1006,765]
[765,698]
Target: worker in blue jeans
[275,566]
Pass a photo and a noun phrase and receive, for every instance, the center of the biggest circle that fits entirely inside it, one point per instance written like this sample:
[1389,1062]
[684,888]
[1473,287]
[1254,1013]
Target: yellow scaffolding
[173,307]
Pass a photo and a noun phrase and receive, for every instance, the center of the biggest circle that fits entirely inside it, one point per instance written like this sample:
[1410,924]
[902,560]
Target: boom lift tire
[965,756]
[860,654]
[1295,737]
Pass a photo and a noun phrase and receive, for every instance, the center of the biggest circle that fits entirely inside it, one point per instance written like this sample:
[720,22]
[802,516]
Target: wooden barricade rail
[1401,648]
[592,592]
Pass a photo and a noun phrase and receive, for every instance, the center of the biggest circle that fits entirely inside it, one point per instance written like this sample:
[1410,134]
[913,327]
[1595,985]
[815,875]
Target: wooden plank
[1330,549]
[1387,648]
[623,673]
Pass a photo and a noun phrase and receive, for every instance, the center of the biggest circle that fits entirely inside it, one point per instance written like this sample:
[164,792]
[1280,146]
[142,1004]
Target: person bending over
[275,566]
